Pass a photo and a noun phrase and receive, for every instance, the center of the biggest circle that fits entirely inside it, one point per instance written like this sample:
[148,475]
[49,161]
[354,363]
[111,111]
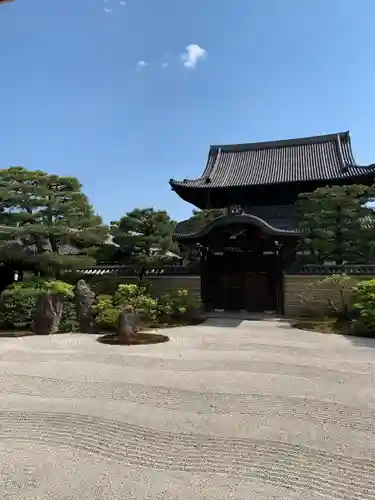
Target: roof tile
[325,157]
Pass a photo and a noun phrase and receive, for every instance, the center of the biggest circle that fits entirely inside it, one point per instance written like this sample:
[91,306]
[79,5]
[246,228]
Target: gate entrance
[242,262]
[237,281]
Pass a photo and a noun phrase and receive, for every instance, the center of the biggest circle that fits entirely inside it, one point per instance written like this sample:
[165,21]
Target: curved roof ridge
[184,231]
[322,158]
[316,139]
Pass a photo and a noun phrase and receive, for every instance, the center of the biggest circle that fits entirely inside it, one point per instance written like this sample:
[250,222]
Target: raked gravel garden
[228,409]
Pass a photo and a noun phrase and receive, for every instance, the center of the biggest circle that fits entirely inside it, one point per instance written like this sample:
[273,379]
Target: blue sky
[76,100]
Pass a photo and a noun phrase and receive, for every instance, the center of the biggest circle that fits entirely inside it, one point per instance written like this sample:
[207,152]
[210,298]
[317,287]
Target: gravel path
[226,410]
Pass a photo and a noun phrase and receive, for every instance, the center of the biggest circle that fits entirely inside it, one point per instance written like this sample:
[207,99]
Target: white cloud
[193,54]
[165,65]
[122,2]
[107,10]
[142,64]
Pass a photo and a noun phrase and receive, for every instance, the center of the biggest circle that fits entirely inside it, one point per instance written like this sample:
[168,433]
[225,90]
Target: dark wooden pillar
[280,279]
[205,281]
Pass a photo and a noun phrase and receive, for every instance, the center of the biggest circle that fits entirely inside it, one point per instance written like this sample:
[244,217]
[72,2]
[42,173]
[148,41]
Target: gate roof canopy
[183,232]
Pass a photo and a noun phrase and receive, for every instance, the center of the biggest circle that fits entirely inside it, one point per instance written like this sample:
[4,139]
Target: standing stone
[85,299]
[127,326]
[48,314]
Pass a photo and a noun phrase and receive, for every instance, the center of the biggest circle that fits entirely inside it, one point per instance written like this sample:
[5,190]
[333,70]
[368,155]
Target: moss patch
[141,339]
[321,325]
[332,325]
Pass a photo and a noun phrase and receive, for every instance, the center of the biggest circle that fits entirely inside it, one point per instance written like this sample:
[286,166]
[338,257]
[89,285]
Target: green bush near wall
[364,303]
[167,308]
[17,304]
[17,308]
[338,304]
[108,284]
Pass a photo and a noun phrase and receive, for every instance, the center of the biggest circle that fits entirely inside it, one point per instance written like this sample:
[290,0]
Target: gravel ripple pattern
[44,409]
[275,462]
[322,412]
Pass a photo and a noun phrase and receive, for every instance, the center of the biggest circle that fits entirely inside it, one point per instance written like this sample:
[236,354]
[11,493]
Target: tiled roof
[325,157]
[278,216]
[101,270]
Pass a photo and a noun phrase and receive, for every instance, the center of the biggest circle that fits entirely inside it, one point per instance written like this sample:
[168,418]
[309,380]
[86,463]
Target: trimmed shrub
[166,308]
[138,297]
[364,303]
[17,307]
[69,322]
[17,303]
[177,304]
[41,285]
[106,313]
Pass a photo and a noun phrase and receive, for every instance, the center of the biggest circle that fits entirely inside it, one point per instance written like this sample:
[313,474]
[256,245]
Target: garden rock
[127,326]
[85,299]
[48,314]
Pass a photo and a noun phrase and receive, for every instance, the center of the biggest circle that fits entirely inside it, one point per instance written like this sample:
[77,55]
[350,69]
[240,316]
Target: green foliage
[167,307]
[106,313]
[17,303]
[364,303]
[140,300]
[69,322]
[145,236]
[198,221]
[201,218]
[127,293]
[52,226]
[177,303]
[17,307]
[41,285]
[102,302]
[329,296]
[337,224]
[60,288]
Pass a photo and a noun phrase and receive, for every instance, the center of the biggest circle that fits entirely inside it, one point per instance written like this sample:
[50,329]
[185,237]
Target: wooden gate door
[257,293]
[231,292]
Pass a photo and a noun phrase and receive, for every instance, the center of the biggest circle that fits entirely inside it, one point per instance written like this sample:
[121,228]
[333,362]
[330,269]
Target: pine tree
[48,223]
[197,222]
[145,236]
[337,224]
